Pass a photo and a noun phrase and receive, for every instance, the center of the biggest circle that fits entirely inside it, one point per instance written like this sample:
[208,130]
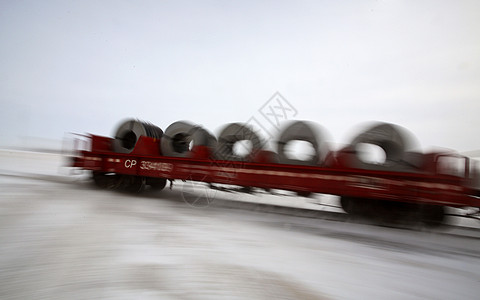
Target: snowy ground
[61,238]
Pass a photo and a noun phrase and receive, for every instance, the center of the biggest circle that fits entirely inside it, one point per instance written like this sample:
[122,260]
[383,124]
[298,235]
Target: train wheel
[105,180]
[358,207]
[305,194]
[396,213]
[348,205]
[381,212]
[432,215]
[134,184]
[157,184]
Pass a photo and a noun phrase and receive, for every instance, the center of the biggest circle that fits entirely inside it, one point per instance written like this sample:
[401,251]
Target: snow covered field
[62,238]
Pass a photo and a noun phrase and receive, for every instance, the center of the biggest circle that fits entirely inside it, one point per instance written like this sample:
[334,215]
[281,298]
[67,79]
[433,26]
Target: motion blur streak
[63,239]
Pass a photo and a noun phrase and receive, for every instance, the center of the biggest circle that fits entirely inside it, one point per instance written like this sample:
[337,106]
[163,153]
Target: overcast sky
[83,66]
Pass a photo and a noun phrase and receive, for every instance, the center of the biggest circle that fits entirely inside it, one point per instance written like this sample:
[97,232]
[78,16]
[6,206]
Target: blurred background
[70,66]
[85,66]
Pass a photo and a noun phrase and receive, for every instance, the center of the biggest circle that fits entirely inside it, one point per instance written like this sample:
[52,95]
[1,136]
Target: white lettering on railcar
[130,163]
[367,182]
[156,166]
[226,175]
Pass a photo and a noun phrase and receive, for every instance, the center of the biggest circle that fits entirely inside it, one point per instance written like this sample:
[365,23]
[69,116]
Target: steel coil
[180,137]
[128,133]
[301,131]
[397,144]
[231,135]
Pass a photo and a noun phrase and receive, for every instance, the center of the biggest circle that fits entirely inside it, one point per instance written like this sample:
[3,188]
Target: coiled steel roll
[230,135]
[128,133]
[177,139]
[395,141]
[301,131]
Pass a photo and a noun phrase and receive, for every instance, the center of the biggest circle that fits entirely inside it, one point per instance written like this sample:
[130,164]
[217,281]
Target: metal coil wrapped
[128,133]
[181,136]
[231,135]
[396,142]
[301,131]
